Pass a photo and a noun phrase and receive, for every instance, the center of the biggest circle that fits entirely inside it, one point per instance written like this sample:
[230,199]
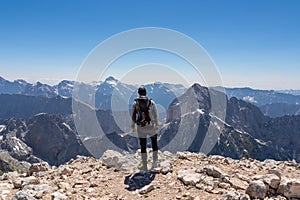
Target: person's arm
[155,115]
[133,117]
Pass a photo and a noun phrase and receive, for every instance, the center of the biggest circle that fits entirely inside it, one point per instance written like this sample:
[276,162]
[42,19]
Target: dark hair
[142,91]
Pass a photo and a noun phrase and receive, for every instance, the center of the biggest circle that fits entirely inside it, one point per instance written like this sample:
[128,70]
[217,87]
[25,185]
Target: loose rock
[257,189]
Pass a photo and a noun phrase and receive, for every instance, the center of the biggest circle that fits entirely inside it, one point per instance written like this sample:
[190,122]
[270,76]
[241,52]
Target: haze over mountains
[38,119]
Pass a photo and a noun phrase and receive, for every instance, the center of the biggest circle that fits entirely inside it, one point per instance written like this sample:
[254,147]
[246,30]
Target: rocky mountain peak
[183,175]
[3,80]
[21,81]
[111,80]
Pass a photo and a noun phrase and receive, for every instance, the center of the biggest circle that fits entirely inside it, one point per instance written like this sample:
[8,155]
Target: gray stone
[21,182]
[86,170]
[182,155]
[224,185]
[275,171]
[166,166]
[290,188]
[40,188]
[230,195]
[257,189]
[65,170]
[146,189]
[189,177]
[238,184]
[111,158]
[17,183]
[5,189]
[9,175]
[4,186]
[208,181]
[272,180]
[116,160]
[58,196]
[245,197]
[38,167]
[22,195]
[214,172]
[242,177]
[269,163]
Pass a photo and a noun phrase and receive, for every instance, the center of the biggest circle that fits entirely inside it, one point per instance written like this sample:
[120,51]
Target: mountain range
[40,127]
[272,103]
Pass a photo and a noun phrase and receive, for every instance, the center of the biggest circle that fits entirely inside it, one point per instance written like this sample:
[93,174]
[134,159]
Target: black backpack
[143,106]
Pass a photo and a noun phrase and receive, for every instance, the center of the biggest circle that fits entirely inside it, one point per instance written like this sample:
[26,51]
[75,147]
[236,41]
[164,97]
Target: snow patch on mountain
[2,128]
[260,141]
[40,114]
[250,99]
[111,81]
[67,126]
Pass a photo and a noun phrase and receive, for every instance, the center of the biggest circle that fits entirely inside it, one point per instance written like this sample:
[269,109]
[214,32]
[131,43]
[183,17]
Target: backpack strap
[149,103]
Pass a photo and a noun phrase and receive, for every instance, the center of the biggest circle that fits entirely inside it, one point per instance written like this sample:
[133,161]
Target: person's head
[142,91]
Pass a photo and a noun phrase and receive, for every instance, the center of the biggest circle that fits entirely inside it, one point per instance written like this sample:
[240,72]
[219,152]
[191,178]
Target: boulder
[111,158]
[189,177]
[257,189]
[213,171]
[166,166]
[21,182]
[38,167]
[238,184]
[290,188]
[118,161]
[272,180]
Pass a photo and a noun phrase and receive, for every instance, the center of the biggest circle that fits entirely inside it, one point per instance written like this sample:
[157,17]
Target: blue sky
[253,43]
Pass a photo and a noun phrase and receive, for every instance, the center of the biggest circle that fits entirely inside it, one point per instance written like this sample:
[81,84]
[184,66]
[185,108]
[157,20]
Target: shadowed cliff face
[278,133]
[45,136]
[62,142]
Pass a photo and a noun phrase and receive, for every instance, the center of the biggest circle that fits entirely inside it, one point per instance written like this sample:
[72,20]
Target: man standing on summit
[144,115]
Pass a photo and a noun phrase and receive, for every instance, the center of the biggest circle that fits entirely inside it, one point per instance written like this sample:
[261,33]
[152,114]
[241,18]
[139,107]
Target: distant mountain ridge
[272,103]
[280,109]
[261,97]
[37,89]
[100,93]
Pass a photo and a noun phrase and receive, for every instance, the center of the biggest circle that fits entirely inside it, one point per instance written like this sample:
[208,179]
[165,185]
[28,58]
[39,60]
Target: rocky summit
[183,175]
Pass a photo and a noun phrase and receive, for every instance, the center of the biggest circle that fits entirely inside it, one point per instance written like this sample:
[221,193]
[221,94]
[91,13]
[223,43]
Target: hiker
[144,115]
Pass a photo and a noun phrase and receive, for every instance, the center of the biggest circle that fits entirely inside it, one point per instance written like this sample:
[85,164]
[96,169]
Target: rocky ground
[178,176]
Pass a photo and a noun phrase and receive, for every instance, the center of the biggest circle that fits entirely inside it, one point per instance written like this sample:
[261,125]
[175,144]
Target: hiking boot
[155,163]
[155,159]
[143,164]
[142,167]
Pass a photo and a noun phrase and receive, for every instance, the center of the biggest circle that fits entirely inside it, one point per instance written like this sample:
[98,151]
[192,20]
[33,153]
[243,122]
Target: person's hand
[133,130]
[156,127]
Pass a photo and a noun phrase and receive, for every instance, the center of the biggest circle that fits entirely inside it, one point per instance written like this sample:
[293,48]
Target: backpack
[143,106]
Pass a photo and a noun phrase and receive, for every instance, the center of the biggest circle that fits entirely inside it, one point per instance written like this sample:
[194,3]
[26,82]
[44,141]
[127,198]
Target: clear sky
[253,43]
